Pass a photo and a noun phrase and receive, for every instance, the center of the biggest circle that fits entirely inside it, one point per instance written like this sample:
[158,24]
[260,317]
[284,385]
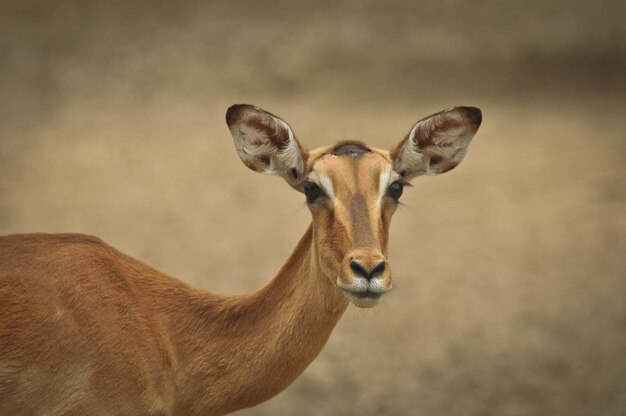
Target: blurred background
[509,271]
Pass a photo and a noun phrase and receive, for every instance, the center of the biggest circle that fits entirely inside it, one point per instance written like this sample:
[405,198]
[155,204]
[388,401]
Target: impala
[88,330]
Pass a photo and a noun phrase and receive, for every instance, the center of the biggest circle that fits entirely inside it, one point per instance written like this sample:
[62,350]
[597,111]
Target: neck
[238,351]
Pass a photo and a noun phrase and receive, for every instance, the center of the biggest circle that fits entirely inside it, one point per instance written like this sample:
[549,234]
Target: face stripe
[361,222]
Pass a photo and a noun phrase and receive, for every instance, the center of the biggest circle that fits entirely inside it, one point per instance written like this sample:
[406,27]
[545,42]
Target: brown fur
[140,342]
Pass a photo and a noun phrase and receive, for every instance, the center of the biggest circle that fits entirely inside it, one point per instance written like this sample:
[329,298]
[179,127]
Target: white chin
[363,300]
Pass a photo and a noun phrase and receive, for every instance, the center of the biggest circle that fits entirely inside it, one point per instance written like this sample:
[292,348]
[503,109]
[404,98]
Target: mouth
[364,293]
[364,299]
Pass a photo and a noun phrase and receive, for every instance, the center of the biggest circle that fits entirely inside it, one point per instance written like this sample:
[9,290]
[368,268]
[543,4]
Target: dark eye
[312,191]
[395,190]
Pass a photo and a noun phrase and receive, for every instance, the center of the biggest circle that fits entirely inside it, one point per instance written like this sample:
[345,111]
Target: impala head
[352,190]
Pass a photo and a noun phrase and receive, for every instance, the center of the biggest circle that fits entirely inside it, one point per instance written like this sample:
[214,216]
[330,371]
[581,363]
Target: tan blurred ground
[509,271]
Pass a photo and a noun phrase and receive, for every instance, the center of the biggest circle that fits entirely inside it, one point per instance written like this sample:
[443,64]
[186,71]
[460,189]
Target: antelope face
[352,190]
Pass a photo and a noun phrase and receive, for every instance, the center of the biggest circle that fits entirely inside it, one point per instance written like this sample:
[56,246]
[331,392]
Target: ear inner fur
[436,144]
[266,143]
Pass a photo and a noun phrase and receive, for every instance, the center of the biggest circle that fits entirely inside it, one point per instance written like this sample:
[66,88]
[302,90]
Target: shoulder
[37,242]
[49,239]
[49,249]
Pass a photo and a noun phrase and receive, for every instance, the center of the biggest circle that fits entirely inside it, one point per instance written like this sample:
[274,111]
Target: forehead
[349,163]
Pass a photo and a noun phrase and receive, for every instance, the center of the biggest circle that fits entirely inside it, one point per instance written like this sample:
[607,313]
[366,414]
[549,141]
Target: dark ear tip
[234,112]
[474,115]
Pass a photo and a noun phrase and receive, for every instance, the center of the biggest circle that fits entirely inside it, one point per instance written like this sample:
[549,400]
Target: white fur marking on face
[358,284]
[376,285]
[383,184]
[327,186]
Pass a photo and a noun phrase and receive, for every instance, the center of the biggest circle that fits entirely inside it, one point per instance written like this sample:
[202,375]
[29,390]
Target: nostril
[361,271]
[379,269]
[358,269]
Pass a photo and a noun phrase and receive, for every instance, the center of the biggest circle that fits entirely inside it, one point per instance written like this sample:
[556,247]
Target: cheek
[330,237]
[385,223]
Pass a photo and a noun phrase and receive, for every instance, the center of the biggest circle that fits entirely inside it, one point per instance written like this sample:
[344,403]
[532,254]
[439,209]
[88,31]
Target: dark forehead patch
[352,149]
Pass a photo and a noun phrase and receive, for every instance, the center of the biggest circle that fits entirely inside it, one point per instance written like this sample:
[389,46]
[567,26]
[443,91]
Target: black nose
[361,271]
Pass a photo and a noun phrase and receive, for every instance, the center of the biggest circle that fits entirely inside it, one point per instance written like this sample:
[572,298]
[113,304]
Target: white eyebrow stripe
[383,184]
[327,186]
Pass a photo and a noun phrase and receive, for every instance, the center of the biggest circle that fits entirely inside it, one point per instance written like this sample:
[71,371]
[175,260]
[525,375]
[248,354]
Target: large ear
[437,143]
[265,143]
